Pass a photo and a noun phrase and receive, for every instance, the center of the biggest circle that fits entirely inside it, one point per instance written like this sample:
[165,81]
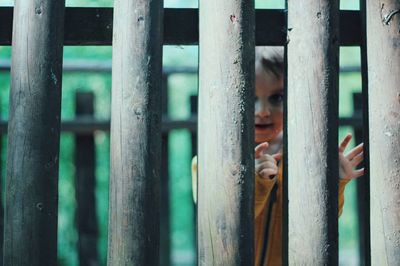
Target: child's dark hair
[271,60]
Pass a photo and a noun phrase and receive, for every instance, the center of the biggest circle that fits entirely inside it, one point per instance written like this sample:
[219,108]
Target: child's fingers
[345,142]
[277,156]
[268,173]
[355,151]
[266,165]
[358,173]
[357,160]
[259,150]
[267,158]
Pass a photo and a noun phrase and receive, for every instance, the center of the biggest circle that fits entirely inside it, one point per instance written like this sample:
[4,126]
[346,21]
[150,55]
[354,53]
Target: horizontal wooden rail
[93,26]
[89,125]
[105,67]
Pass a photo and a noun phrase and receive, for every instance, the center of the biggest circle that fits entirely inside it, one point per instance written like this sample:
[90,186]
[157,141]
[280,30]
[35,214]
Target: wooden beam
[104,66]
[30,232]
[134,220]
[312,128]
[85,185]
[89,125]
[2,192]
[363,184]
[165,216]
[226,133]
[93,26]
[363,188]
[383,53]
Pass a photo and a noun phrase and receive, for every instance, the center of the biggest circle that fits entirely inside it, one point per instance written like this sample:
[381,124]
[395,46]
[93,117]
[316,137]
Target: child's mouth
[263,126]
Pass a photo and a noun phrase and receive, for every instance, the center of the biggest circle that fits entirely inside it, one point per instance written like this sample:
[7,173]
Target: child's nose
[263,111]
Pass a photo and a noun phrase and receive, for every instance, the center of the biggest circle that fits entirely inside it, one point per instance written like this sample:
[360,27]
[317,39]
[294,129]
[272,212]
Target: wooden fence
[312,36]
[84,127]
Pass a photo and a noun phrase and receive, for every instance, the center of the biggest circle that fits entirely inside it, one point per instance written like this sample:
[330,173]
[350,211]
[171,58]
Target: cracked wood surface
[312,128]
[30,232]
[383,43]
[226,133]
[135,134]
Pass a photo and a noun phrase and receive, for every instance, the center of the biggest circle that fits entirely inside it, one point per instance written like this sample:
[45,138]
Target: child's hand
[265,164]
[348,162]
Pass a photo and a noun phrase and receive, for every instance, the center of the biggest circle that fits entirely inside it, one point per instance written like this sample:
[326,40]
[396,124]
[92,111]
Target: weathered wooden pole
[135,133]
[2,190]
[363,184]
[312,127]
[30,236]
[165,232]
[363,188]
[383,25]
[226,133]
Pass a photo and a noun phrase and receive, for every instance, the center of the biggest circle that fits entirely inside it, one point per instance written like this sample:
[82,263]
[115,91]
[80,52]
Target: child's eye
[276,99]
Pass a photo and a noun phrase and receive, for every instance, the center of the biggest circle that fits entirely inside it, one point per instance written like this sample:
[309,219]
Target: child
[268,154]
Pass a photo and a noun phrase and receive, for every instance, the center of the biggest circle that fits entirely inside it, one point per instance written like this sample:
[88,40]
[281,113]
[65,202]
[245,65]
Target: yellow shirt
[267,252]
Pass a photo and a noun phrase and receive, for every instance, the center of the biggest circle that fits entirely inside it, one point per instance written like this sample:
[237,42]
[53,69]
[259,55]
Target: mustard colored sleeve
[263,187]
[194,178]
[342,185]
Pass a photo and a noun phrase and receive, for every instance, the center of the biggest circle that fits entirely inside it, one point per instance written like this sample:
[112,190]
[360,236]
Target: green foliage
[89,3]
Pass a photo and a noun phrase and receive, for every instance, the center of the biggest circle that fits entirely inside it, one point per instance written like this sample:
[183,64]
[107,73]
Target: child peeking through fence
[268,157]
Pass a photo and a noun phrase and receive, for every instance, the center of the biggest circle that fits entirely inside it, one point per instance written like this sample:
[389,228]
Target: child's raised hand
[265,164]
[348,162]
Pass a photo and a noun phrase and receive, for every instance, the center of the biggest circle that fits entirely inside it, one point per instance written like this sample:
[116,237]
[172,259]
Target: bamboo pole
[312,127]
[30,236]
[226,133]
[135,133]
[383,20]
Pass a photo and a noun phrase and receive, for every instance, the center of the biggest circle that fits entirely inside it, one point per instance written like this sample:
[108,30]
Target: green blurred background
[181,87]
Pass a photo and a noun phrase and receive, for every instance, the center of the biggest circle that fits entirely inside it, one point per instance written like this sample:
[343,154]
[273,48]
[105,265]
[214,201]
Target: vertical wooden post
[363,188]
[135,133]
[193,112]
[226,133]
[285,181]
[363,184]
[383,21]
[312,126]
[30,236]
[2,190]
[194,100]
[85,184]
[165,232]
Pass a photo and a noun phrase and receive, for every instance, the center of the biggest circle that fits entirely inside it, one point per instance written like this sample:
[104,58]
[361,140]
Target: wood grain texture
[30,235]
[226,133]
[383,43]
[312,124]
[135,133]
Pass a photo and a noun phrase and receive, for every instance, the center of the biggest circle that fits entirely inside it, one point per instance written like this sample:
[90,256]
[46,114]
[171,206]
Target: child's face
[268,108]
